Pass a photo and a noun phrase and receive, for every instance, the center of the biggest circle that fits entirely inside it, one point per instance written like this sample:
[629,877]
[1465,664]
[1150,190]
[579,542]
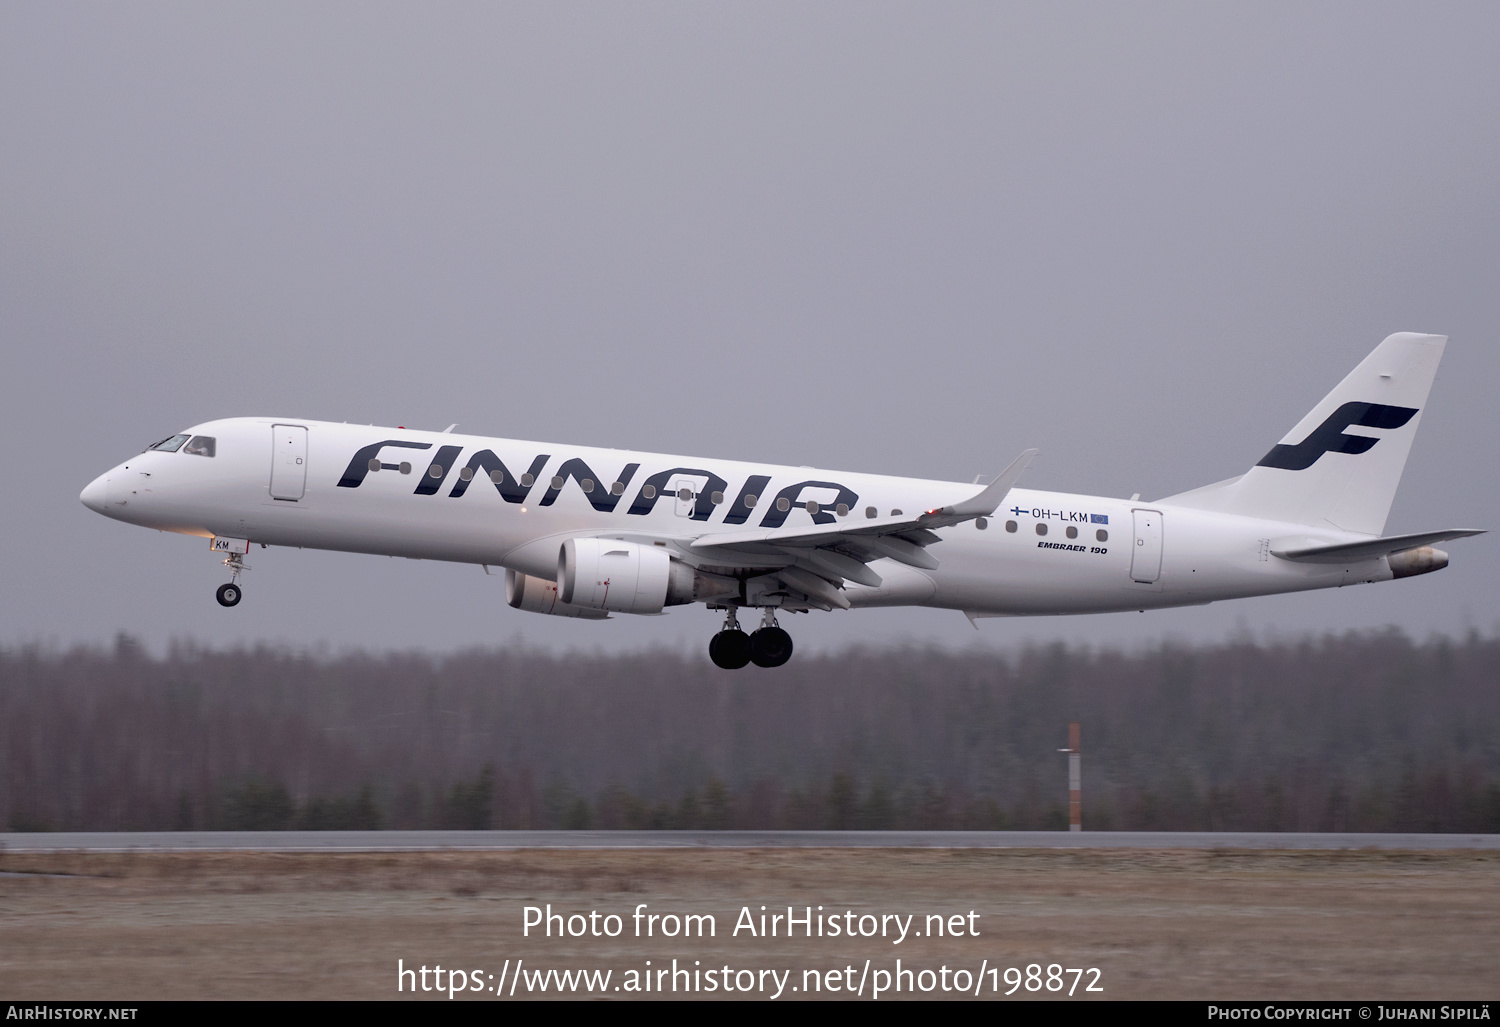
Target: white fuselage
[1040,553]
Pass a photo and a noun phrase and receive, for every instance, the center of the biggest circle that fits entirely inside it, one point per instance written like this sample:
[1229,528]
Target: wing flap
[915,530]
[813,585]
[816,534]
[821,557]
[896,548]
[837,565]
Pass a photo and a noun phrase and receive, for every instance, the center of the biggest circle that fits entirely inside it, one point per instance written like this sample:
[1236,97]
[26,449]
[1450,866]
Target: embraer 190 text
[586,532]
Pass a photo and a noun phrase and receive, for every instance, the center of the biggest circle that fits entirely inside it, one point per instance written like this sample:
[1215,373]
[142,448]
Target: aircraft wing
[818,558]
[1346,552]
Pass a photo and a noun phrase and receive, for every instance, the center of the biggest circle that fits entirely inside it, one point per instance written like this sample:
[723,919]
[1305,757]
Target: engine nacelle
[538,595]
[1422,560]
[605,574]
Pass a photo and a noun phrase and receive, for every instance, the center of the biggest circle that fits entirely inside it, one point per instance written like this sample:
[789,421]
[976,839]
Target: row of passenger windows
[198,445]
[205,445]
[783,504]
[1070,531]
[617,488]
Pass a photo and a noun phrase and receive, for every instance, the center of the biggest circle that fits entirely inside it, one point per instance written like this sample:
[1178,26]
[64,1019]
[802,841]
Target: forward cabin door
[288,461]
[685,492]
[1145,556]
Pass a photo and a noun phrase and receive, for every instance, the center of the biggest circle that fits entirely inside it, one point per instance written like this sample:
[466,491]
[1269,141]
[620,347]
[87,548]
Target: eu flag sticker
[1098,518]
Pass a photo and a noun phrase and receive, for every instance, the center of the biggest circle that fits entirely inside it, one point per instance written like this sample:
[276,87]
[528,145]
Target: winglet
[986,502]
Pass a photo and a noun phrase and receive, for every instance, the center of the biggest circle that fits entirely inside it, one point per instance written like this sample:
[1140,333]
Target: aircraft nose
[93,495]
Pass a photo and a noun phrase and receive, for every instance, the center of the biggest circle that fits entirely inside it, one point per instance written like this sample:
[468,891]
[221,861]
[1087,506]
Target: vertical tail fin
[1339,467]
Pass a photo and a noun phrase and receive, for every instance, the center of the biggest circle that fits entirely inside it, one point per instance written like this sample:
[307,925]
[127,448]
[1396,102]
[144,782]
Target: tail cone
[1422,560]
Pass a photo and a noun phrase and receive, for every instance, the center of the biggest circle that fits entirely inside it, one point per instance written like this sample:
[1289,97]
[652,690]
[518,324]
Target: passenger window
[171,445]
[870,512]
[1102,535]
[497,476]
[648,491]
[1041,529]
[467,474]
[1010,526]
[981,523]
[527,480]
[617,489]
[783,504]
[202,445]
[750,501]
[842,509]
[1072,532]
[716,498]
[812,507]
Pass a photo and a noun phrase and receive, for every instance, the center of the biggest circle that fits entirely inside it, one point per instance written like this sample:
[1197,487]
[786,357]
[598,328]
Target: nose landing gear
[230,594]
[769,646]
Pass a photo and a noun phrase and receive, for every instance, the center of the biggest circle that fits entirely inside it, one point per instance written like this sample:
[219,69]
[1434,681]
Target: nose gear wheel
[231,594]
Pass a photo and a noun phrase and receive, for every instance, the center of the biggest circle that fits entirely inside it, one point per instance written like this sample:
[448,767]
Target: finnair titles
[589,532]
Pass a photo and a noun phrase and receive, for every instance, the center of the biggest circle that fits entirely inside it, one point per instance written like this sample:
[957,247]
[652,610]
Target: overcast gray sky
[902,238]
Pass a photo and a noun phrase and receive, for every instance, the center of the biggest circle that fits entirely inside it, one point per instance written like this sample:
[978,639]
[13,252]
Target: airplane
[587,532]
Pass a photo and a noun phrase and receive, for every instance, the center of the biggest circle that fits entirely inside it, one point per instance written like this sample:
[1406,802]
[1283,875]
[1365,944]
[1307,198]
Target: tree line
[1359,732]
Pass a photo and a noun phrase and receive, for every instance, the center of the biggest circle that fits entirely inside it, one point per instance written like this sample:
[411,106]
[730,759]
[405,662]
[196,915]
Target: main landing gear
[230,594]
[730,648]
[769,646]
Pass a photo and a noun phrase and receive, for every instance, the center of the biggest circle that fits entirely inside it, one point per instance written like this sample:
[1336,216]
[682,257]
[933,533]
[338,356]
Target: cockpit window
[202,445]
[171,445]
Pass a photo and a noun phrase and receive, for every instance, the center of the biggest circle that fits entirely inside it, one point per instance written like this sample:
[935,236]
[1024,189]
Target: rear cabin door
[288,461]
[1145,556]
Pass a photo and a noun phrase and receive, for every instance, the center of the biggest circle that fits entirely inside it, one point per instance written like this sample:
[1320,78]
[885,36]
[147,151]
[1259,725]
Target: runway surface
[479,841]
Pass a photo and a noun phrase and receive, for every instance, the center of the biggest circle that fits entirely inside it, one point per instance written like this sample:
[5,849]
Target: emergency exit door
[288,461]
[1145,555]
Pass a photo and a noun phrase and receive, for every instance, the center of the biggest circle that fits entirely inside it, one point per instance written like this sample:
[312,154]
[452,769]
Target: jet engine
[538,595]
[605,574]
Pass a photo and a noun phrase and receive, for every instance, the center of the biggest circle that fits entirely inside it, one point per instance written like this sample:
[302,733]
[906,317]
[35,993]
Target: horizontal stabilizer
[1348,552]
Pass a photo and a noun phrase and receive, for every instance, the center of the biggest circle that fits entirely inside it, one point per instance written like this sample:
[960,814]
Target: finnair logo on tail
[1329,436]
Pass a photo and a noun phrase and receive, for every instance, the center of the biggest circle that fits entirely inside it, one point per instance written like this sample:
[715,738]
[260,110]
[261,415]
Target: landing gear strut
[730,648]
[230,594]
[769,646]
